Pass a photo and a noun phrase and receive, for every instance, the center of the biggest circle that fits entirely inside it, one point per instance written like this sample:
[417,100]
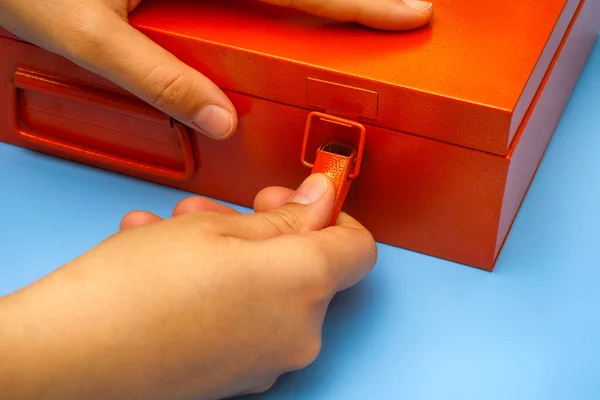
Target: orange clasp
[333,157]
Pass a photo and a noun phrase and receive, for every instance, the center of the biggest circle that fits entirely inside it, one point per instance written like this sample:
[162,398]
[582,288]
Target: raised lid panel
[466,79]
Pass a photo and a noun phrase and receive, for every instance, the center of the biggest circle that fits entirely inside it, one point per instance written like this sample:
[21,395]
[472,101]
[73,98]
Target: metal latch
[335,141]
[334,157]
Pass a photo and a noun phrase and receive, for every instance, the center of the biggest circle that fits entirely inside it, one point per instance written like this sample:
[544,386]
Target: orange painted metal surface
[332,129]
[336,155]
[439,174]
[466,79]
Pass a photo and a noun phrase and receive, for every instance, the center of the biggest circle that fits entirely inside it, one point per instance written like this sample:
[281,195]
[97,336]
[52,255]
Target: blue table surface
[417,327]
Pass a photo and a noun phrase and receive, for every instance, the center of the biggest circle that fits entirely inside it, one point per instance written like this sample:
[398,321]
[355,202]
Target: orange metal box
[457,115]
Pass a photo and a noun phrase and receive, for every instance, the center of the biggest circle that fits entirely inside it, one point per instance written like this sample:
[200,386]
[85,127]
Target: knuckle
[321,279]
[373,250]
[322,284]
[168,89]
[264,387]
[307,353]
[122,14]
[204,223]
[285,222]
[368,246]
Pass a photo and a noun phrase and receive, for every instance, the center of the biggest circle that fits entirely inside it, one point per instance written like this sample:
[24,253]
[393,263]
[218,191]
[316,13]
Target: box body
[446,164]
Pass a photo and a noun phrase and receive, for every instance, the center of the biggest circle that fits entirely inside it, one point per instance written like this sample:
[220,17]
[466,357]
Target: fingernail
[311,190]
[215,121]
[418,5]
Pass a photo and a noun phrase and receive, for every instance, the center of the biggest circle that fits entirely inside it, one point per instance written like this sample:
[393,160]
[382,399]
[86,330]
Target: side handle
[27,80]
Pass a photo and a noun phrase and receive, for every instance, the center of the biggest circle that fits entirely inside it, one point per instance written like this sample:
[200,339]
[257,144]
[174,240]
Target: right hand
[205,305]
[96,35]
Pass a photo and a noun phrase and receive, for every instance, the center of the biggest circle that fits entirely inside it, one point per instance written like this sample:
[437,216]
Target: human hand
[208,304]
[95,34]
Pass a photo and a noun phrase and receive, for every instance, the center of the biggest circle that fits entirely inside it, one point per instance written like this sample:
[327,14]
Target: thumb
[117,51]
[308,209]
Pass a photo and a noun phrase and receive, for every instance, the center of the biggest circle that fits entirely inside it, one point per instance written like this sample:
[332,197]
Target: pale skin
[209,303]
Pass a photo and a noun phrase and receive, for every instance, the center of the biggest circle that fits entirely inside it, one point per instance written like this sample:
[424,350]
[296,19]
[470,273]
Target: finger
[137,219]
[102,41]
[271,198]
[382,14]
[200,204]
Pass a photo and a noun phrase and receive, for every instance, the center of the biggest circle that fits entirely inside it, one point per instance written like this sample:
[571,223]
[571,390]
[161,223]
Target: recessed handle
[104,100]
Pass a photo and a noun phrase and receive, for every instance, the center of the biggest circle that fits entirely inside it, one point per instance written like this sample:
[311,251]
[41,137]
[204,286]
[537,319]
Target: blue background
[417,327]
